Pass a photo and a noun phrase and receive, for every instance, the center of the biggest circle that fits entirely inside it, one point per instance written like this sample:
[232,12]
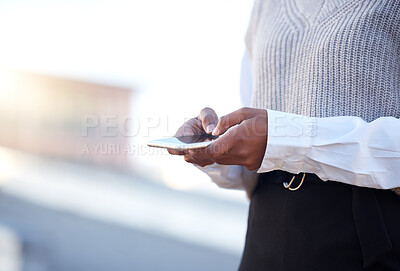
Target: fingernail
[210,128]
[215,132]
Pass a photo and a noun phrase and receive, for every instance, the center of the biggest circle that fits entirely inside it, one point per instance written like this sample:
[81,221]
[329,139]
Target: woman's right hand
[205,122]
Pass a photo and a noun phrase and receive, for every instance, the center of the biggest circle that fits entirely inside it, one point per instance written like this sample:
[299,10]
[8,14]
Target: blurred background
[83,85]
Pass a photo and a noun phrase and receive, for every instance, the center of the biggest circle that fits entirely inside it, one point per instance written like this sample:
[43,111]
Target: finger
[191,127]
[209,119]
[176,152]
[190,159]
[236,117]
[222,158]
[200,154]
[205,164]
[217,148]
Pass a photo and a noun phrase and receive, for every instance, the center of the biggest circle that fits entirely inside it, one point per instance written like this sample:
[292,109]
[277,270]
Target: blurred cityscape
[83,86]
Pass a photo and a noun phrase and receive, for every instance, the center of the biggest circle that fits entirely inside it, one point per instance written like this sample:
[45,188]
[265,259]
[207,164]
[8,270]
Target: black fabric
[322,226]
[370,225]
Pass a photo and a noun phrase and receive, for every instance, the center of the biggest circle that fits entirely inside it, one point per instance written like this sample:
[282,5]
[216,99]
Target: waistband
[279,177]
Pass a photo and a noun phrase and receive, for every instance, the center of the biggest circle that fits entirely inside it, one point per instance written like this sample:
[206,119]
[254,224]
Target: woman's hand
[206,121]
[243,144]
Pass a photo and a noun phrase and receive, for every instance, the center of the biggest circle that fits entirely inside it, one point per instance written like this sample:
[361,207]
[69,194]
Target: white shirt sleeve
[231,176]
[236,177]
[343,149]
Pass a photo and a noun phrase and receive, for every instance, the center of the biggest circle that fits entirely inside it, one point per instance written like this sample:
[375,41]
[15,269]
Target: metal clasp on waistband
[287,185]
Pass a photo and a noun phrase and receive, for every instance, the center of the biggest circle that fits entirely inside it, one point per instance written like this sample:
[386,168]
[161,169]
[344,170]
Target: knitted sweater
[324,58]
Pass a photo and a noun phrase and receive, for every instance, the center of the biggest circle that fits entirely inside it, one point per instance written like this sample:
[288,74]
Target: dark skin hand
[206,121]
[243,138]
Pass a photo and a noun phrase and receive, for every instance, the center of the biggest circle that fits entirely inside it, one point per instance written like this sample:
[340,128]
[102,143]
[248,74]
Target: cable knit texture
[324,58]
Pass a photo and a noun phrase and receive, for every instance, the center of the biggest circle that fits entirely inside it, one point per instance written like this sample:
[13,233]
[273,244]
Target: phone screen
[196,138]
[183,142]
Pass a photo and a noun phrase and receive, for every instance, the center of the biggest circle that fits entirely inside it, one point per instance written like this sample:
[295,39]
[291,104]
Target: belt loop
[287,186]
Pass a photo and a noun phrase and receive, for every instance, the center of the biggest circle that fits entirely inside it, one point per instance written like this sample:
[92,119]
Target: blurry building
[47,115]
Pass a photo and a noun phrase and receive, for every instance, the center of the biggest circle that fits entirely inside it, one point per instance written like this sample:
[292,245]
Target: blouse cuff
[289,140]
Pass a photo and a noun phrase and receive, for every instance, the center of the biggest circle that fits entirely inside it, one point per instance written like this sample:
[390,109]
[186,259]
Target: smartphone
[182,143]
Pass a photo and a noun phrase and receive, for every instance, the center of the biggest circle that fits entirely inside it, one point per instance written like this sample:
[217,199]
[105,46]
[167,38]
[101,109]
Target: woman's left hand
[243,144]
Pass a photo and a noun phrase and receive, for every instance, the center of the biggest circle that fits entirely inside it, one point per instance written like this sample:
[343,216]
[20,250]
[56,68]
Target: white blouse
[343,149]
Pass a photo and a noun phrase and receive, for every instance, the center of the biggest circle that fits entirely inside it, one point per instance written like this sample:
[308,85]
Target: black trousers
[322,226]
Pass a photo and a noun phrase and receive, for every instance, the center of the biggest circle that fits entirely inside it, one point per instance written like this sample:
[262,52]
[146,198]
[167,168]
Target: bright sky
[179,56]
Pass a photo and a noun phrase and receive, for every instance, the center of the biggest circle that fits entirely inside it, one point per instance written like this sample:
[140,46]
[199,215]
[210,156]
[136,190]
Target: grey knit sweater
[324,58]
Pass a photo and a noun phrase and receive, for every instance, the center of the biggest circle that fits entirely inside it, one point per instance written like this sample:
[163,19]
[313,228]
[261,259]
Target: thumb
[208,119]
[227,121]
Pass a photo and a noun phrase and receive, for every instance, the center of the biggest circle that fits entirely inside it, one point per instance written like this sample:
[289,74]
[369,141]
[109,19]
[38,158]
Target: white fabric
[231,176]
[344,149]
